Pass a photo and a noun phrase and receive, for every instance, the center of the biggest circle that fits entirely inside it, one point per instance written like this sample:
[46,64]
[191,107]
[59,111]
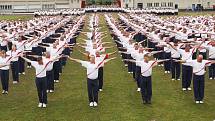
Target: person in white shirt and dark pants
[40,80]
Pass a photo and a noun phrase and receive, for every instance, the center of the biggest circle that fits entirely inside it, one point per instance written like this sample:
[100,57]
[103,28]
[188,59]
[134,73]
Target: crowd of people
[92,9]
[44,43]
[170,41]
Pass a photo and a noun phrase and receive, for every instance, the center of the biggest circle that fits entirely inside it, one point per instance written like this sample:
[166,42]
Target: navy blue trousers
[100,77]
[92,86]
[50,80]
[4,79]
[56,67]
[41,84]
[146,88]
[175,69]
[15,70]
[167,64]
[21,65]
[212,70]
[186,76]
[198,85]
[138,76]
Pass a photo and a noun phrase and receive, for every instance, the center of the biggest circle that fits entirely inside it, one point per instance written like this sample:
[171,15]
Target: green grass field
[119,100]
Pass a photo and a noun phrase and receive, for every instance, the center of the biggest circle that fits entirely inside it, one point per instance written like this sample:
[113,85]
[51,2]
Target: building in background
[34,5]
[175,4]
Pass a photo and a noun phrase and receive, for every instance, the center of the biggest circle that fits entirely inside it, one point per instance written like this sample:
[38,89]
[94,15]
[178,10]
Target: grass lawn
[15,17]
[119,100]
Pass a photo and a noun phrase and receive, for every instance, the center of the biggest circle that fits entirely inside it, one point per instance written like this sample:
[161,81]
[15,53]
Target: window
[5,7]
[149,4]
[163,4]
[48,6]
[170,4]
[156,4]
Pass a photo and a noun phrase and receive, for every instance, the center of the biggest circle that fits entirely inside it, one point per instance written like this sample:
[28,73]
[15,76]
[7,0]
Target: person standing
[40,80]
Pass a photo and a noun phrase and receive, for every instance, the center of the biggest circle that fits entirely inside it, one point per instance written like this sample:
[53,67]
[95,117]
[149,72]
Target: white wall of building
[34,5]
[182,4]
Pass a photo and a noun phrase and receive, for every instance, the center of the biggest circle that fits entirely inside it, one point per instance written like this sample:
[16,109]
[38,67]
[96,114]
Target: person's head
[136,46]
[47,54]
[146,57]
[141,49]
[13,47]
[54,45]
[97,54]
[3,53]
[40,60]
[92,59]
[187,48]
[200,58]
[94,46]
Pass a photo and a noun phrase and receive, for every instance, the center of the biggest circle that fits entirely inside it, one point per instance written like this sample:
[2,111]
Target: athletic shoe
[178,79]
[201,102]
[210,78]
[44,105]
[173,79]
[57,81]
[184,89]
[47,91]
[15,82]
[100,90]
[91,104]
[189,88]
[197,102]
[3,92]
[169,72]
[23,73]
[40,105]
[6,92]
[51,91]
[166,72]
[95,104]
[138,89]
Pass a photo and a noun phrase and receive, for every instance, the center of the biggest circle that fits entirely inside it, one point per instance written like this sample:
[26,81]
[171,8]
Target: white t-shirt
[40,69]
[146,68]
[49,62]
[198,68]
[92,69]
[14,55]
[5,61]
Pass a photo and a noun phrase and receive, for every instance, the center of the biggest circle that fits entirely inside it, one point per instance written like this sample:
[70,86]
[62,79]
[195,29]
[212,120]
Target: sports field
[119,100]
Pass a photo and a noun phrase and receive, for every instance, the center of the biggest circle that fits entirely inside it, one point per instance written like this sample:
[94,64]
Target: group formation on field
[143,39]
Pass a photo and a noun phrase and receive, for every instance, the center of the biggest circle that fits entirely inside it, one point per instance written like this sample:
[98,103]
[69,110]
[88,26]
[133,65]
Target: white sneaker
[184,89]
[6,92]
[178,79]
[100,90]
[189,88]
[3,92]
[166,72]
[47,91]
[57,81]
[15,82]
[23,73]
[197,102]
[40,105]
[91,104]
[169,72]
[201,102]
[44,105]
[173,79]
[51,91]
[210,78]
[138,89]
[95,104]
